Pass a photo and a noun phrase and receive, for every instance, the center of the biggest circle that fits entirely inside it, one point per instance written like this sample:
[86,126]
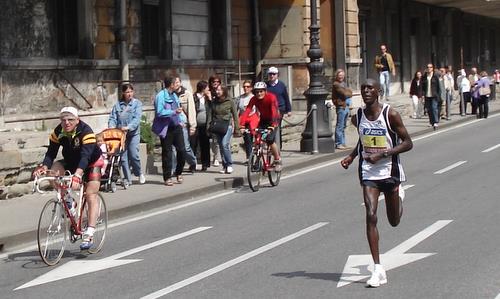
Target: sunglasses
[68,120]
[247,86]
[260,91]
[216,81]
[272,74]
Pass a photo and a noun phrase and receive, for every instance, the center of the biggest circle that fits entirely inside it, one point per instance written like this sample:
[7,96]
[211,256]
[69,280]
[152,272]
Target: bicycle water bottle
[70,202]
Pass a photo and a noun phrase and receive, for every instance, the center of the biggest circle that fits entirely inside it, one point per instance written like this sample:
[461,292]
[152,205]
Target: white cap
[71,110]
[272,70]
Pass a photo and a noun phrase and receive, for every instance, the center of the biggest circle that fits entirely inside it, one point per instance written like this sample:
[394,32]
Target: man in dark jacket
[432,91]
[279,89]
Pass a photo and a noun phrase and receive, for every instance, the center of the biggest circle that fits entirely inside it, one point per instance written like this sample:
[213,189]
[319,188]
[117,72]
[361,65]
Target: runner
[382,137]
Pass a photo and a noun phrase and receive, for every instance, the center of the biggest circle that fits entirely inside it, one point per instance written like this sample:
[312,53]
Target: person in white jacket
[463,84]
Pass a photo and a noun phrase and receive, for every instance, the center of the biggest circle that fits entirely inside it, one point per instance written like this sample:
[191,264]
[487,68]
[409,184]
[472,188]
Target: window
[66,27]
[493,44]
[151,27]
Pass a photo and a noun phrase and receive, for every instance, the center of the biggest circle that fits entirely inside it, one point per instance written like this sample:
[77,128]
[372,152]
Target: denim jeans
[225,147]
[385,82]
[341,125]
[432,109]
[130,157]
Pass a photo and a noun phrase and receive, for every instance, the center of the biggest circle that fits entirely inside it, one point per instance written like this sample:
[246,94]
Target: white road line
[233,262]
[491,148]
[450,167]
[410,243]
[382,196]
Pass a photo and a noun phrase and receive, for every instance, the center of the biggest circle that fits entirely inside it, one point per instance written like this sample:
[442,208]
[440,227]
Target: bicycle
[261,162]
[53,221]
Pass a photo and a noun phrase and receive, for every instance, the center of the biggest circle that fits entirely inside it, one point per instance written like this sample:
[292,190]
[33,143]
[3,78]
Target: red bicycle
[261,162]
[53,222]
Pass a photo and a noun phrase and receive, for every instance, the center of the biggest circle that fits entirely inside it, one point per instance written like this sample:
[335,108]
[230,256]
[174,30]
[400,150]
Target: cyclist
[267,107]
[82,157]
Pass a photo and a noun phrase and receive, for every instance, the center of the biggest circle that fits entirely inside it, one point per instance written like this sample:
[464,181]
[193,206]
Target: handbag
[218,126]
[484,90]
[161,123]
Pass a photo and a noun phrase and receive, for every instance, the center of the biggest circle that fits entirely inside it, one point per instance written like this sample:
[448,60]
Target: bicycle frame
[262,148]
[62,186]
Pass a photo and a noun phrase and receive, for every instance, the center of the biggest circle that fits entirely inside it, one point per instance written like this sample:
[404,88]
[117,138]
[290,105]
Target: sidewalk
[20,216]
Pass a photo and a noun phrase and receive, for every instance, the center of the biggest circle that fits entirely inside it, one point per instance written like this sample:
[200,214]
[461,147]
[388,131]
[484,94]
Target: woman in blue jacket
[126,115]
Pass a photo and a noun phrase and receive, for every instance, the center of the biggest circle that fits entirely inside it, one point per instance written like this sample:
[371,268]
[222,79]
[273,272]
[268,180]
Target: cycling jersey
[267,109]
[80,149]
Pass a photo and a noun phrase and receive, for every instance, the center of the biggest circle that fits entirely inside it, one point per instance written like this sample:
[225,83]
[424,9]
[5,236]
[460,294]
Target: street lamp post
[316,94]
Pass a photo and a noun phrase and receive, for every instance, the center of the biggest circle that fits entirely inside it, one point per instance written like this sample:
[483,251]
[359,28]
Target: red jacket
[267,109]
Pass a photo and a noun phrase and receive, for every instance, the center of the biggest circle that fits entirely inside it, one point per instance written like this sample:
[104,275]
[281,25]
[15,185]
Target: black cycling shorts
[271,136]
[384,185]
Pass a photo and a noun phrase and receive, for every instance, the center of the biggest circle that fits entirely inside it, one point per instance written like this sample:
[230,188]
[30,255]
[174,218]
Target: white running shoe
[216,163]
[142,179]
[229,169]
[378,277]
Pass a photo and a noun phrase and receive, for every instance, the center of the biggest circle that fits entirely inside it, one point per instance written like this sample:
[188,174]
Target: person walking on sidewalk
[464,91]
[432,92]
[279,89]
[417,94]
[222,118]
[473,78]
[384,64]
[214,82]
[189,120]
[202,139]
[382,137]
[252,121]
[482,92]
[340,96]
[167,125]
[126,115]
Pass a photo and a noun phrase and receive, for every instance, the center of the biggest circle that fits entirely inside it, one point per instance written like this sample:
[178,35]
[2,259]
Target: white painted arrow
[76,268]
[359,267]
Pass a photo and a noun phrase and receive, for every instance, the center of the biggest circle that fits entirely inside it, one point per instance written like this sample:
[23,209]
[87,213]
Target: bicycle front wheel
[273,175]
[101,226]
[254,172]
[52,228]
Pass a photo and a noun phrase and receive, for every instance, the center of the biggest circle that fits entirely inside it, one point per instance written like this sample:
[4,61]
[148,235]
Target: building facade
[55,53]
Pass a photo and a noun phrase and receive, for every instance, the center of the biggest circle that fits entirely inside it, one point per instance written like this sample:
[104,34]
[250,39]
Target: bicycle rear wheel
[254,172]
[101,226]
[51,234]
[273,175]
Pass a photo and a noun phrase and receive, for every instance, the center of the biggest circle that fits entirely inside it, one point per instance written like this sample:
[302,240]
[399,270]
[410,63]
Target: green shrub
[147,135]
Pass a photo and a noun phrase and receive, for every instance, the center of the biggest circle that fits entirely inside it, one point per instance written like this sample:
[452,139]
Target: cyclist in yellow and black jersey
[82,157]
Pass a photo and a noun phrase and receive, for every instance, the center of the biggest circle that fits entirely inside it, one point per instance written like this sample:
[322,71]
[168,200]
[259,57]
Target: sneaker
[229,169]
[223,170]
[216,163]
[435,126]
[378,277]
[142,179]
[87,242]
[277,165]
[126,184]
[192,168]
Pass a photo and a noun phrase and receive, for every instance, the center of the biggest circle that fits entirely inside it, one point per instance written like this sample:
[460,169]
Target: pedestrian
[382,137]
[251,121]
[188,118]
[464,91]
[279,89]
[482,92]
[384,64]
[167,125]
[222,118]
[202,140]
[473,78]
[449,83]
[340,95]
[126,116]
[496,76]
[417,94]
[432,91]
[214,82]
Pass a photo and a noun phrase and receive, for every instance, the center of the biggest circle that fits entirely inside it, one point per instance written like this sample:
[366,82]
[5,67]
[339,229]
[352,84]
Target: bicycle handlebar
[61,181]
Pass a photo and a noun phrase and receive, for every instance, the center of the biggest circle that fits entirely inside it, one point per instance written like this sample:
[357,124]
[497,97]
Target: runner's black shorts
[384,185]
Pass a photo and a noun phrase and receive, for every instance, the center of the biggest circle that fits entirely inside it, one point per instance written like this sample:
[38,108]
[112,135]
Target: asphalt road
[294,240]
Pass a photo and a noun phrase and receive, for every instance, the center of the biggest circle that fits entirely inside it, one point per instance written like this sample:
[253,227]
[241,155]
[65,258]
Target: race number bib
[374,140]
